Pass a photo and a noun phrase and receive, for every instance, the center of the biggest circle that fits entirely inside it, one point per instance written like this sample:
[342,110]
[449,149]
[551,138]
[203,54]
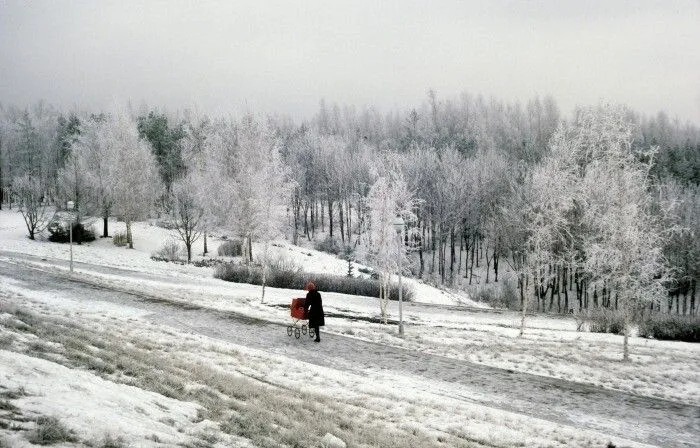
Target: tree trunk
[523,311]
[461,248]
[495,265]
[420,252]
[692,297]
[341,221]
[488,263]
[471,268]
[129,238]
[579,289]
[432,244]
[595,296]
[330,218]
[313,218]
[565,279]
[264,278]
[452,255]
[467,247]
[295,217]
[188,245]
[349,218]
[521,285]
[306,220]
[206,250]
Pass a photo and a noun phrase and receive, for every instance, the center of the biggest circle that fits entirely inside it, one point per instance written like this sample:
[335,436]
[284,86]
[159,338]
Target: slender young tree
[188,212]
[388,199]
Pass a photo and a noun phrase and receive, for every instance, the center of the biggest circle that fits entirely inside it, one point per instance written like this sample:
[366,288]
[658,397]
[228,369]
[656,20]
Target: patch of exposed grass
[5,405]
[49,431]
[113,442]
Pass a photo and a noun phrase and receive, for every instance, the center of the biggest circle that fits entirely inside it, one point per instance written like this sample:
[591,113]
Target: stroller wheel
[303,329]
[297,333]
[311,332]
[289,330]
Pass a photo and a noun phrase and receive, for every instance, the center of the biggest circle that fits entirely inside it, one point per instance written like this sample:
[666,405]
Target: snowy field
[110,374]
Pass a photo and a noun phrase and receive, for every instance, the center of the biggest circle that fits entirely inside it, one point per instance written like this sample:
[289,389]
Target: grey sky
[284,56]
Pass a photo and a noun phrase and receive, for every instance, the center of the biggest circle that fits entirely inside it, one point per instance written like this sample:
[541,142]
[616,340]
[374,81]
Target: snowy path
[641,419]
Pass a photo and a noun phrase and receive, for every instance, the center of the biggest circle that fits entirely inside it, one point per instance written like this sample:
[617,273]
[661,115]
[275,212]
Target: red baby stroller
[299,314]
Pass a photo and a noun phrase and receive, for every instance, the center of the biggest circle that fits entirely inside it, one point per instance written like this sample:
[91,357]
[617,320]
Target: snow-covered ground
[45,380]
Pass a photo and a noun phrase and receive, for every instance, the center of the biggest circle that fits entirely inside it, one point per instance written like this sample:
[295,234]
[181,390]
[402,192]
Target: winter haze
[283,57]
[499,203]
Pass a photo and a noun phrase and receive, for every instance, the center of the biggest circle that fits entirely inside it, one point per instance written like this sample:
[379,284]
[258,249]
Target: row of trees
[488,184]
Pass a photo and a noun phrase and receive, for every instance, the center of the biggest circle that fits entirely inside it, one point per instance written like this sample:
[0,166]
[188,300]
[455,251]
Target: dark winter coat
[314,308]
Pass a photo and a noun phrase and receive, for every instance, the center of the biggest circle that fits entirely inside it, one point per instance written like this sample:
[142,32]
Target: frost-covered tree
[248,186]
[388,199]
[136,184]
[624,246]
[93,159]
[32,203]
[197,129]
[261,187]
[74,179]
[550,197]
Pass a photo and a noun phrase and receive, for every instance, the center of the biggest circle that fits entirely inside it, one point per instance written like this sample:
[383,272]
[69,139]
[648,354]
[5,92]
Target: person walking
[314,309]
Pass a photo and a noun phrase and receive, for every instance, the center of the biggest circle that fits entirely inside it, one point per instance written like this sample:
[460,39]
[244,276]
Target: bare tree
[32,203]
[188,212]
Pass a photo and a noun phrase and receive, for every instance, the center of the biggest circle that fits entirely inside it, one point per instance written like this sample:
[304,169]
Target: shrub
[170,251]
[207,262]
[239,273]
[233,248]
[49,430]
[671,327]
[113,442]
[165,223]
[503,294]
[60,232]
[328,245]
[119,239]
[510,296]
[605,321]
[282,264]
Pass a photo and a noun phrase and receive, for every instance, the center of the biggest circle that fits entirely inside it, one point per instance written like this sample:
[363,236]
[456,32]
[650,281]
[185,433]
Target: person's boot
[318,336]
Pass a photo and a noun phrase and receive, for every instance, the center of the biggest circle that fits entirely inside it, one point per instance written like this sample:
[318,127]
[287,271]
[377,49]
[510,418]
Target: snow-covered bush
[119,239]
[604,321]
[233,248]
[671,327]
[329,245]
[240,273]
[498,295]
[170,251]
[282,263]
[59,232]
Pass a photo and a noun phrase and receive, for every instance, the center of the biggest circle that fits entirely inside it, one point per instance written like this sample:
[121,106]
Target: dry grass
[49,431]
[264,414]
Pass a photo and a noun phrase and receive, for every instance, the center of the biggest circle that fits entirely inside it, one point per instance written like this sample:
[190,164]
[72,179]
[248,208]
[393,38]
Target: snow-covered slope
[149,238]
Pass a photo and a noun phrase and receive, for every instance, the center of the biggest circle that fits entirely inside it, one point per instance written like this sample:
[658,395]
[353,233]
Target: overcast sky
[284,56]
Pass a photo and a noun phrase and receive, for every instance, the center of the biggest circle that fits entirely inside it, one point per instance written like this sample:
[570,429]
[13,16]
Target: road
[642,419]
